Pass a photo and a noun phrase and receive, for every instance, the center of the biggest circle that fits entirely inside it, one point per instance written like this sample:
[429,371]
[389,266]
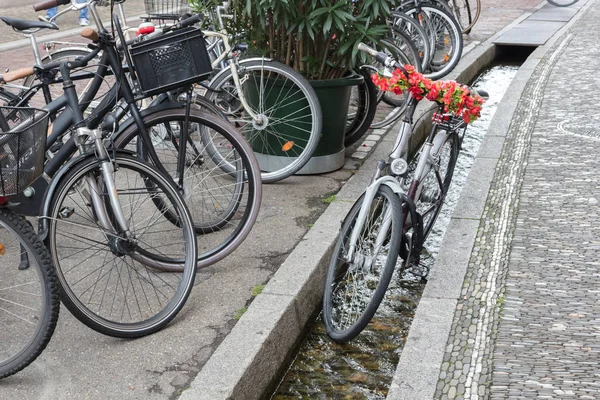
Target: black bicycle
[118,229]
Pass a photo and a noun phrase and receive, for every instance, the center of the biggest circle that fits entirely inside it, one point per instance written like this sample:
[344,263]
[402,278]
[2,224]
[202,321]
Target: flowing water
[363,369]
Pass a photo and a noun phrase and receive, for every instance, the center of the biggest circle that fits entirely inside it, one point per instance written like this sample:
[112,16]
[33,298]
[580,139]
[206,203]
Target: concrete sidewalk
[523,285]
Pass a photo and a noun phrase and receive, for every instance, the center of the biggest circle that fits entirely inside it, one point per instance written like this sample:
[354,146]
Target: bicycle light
[399,166]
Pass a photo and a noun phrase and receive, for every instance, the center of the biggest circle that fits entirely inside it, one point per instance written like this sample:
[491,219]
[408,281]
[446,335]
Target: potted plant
[318,38]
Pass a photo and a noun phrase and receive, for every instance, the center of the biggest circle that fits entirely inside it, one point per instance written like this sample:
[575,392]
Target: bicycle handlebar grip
[46,4]
[90,33]
[364,48]
[11,76]
[194,19]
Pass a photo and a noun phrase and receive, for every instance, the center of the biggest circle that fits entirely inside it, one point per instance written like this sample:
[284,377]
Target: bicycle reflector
[145,28]
[2,250]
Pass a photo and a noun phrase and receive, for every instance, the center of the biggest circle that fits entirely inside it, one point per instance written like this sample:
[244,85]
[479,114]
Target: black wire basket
[22,147]
[166,9]
[170,61]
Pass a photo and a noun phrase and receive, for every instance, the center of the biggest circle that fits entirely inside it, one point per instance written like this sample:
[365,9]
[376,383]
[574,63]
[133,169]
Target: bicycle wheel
[429,193]
[221,182]
[121,285]
[353,291]
[562,3]
[466,13]
[290,127]
[416,34]
[29,304]
[363,106]
[445,38]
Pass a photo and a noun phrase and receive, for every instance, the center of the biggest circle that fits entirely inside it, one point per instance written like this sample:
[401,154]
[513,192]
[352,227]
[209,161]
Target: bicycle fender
[153,108]
[51,189]
[241,64]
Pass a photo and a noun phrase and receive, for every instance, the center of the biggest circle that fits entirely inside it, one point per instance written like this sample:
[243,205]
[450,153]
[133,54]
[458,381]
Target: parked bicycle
[398,209]
[29,300]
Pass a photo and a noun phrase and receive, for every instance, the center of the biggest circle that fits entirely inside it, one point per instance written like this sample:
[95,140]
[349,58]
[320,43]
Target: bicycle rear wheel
[221,181]
[290,127]
[430,192]
[122,285]
[353,291]
[29,303]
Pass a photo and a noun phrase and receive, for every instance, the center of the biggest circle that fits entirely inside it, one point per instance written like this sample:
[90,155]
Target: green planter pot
[334,97]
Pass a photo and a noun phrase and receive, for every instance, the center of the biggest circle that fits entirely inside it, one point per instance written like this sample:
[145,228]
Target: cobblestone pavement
[527,324]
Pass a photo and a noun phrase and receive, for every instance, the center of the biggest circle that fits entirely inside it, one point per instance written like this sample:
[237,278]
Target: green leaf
[327,25]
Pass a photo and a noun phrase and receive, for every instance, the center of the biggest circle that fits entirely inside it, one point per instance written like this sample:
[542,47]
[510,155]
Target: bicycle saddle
[23,24]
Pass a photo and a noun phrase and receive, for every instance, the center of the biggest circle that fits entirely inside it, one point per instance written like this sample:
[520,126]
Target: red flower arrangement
[456,98]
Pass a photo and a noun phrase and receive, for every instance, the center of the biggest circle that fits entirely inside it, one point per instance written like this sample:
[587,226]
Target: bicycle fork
[108,170]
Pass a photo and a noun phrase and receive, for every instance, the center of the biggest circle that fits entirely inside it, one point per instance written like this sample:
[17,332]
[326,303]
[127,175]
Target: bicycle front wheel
[288,128]
[29,303]
[353,290]
[123,284]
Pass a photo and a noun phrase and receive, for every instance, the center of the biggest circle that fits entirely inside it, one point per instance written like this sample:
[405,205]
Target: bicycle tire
[417,34]
[368,298]
[466,13]
[212,248]
[428,195]
[445,38]
[16,285]
[72,216]
[363,103]
[557,4]
[295,150]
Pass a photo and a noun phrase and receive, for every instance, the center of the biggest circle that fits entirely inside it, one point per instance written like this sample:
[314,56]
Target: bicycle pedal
[66,212]
[419,271]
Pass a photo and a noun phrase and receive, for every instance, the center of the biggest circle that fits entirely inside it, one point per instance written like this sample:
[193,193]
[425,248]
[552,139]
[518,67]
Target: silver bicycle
[392,218]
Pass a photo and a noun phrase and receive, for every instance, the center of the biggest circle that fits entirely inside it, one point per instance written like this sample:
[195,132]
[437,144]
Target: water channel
[363,369]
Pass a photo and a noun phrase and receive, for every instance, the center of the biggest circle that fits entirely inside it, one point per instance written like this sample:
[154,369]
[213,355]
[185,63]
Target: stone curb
[418,369]
[260,345]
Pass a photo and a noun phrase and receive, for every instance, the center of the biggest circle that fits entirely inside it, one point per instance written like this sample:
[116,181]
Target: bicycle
[80,215]
[218,168]
[272,105]
[397,211]
[29,300]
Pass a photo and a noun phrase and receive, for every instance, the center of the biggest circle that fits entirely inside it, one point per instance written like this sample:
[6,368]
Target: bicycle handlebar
[381,57]
[194,19]
[46,4]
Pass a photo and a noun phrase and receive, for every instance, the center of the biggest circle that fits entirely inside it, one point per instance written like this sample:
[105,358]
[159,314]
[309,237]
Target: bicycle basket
[22,147]
[166,9]
[172,60]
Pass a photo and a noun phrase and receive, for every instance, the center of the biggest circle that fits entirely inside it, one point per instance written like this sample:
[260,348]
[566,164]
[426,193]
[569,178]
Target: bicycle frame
[431,149]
